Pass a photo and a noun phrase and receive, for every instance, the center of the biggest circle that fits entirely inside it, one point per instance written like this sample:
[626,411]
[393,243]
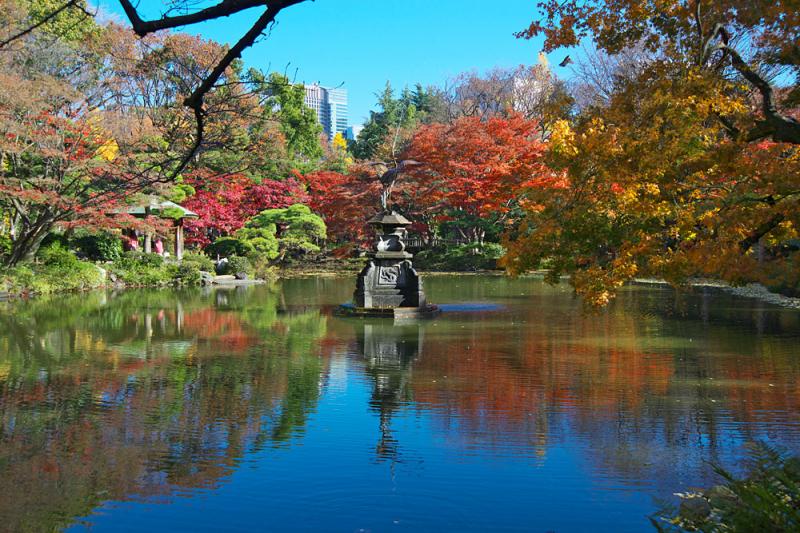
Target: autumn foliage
[471,167]
[689,166]
[345,201]
[475,166]
[652,188]
[226,202]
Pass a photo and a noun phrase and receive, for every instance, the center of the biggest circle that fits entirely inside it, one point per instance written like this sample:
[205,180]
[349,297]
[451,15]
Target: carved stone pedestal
[389,286]
[389,280]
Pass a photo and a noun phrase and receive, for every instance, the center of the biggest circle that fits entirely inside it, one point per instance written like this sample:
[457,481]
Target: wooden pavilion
[164,209]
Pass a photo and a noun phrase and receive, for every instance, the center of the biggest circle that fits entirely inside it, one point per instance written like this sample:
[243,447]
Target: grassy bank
[58,270]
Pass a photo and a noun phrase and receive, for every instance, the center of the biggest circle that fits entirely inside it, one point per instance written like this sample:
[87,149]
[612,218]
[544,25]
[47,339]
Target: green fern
[768,499]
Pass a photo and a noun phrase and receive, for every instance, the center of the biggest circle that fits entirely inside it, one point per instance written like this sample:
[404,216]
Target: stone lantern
[389,286]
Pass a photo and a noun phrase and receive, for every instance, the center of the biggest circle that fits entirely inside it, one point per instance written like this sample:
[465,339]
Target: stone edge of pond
[751,290]
[291,274]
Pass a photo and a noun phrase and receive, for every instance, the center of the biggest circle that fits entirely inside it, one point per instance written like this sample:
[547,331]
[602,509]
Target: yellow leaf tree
[690,168]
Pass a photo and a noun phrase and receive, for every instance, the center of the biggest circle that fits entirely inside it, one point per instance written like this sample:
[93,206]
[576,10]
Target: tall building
[331,108]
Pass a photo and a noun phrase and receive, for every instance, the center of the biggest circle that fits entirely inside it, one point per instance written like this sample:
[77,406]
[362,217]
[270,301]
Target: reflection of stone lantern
[388,351]
[389,286]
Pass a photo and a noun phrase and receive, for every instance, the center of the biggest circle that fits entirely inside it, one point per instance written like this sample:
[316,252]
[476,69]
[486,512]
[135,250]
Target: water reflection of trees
[650,390]
[110,396]
[132,395]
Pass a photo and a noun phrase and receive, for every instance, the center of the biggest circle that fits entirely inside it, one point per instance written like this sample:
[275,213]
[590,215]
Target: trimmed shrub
[101,246]
[60,271]
[201,261]
[228,246]
[461,258]
[262,241]
[237,264]
[55,252]
[137,268]
[188,274]
[301,229]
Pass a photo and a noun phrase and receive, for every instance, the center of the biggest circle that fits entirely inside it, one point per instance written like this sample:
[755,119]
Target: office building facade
[331,108]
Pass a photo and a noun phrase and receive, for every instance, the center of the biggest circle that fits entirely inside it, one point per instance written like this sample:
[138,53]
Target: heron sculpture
[388,176]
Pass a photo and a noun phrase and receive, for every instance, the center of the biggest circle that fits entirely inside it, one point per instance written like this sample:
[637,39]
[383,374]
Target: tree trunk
[13,225]
[24,248]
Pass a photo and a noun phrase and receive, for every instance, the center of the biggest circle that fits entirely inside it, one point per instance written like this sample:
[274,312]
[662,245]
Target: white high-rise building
[331,108]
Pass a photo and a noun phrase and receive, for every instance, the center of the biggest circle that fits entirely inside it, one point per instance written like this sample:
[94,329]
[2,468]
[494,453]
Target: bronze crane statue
[388,176]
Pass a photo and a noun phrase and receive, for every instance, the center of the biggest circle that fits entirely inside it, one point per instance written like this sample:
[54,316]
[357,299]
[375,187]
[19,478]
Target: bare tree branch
[50,16]
[779,127]
[225,8]
[195,101]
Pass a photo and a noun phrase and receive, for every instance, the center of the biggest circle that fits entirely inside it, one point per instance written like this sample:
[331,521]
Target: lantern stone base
[389,280]
[397,313]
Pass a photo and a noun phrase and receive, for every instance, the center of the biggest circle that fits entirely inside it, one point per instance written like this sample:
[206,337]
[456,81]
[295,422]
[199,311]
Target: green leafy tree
[71,22]
[430,104]
[261,240]
[285,102]
[297,229]
[382,132]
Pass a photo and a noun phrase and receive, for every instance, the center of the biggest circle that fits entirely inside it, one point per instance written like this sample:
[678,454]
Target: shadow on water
[512,407]
[470,307]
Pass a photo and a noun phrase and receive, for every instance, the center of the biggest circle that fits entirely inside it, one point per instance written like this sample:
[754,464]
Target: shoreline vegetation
[764,499]
[139,270]
[680,161]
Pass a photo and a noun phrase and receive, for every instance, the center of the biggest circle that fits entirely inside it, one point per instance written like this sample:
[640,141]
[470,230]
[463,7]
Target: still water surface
[257,410]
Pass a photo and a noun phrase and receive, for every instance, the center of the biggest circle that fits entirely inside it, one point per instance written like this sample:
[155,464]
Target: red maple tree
[226,202]
[345,201]
[474,166]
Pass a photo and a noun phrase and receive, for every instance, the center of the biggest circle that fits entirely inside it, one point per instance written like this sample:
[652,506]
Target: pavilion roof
[155,206]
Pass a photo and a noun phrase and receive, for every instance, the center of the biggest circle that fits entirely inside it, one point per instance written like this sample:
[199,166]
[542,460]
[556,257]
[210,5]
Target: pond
[257,409]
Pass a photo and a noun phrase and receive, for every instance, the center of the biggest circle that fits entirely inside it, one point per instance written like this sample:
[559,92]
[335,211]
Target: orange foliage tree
[345,201]
[690,168]
[474,169]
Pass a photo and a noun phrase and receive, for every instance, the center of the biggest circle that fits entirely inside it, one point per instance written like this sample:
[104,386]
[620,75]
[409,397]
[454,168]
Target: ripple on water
[255,409]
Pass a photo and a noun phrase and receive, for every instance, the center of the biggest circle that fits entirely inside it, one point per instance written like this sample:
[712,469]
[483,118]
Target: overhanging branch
[195,101]
[779,127]
[225,8]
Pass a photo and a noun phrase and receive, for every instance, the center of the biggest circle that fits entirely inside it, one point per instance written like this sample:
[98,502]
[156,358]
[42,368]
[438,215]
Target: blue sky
[364,43]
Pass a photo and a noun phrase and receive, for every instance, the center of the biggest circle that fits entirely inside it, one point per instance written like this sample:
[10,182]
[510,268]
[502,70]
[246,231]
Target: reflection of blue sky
[324,481]
[590,451]
[447,476]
